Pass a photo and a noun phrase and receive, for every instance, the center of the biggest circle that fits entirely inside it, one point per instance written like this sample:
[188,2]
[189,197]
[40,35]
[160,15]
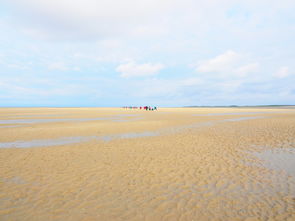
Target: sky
[112,53]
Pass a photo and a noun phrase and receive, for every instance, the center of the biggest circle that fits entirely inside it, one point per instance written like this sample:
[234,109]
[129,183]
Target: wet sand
[170,164]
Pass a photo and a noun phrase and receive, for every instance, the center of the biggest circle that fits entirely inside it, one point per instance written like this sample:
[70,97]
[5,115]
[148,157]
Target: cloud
[18,66]
[249,68]
[190,82]
[60,66]
[234,47]
[88,19]
[230,64]
[164,90]
[222,62]
[26,87]
[132,69]
[283,72]
[229,86]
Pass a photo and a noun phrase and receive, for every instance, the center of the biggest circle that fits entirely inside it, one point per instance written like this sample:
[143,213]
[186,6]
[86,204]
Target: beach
[168,164]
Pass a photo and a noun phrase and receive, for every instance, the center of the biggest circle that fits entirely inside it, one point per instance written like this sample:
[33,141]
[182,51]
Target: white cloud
[190,82]
[100,19]
[21,87]
[164,87]
[60,66]
[86,19]
[222,62]
[175,32]
[228,65]
[245,69]
[17,66]
[229,86]
[131,69]
[151,30]
[283,72]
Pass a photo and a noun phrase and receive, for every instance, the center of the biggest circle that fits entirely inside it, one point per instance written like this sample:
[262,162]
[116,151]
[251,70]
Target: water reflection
[278,159]
[240,113]
[116,118]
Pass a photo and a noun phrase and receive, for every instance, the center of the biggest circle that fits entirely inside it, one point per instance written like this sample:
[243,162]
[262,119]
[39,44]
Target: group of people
[147,108]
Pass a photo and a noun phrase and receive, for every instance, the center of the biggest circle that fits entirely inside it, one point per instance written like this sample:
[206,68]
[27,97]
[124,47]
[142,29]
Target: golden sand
[194,164]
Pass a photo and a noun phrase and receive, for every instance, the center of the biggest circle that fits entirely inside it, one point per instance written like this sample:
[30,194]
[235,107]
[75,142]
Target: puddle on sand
[118,118]
[130,135]
[79,139]
[13,180]
[127,115]
[32,116]
[127,120]
[72,140]
[35,121]
[278,159]
[44,142]
[9,126]
[243,118]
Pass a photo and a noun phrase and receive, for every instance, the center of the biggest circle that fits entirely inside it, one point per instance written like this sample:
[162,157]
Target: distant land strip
[245,106]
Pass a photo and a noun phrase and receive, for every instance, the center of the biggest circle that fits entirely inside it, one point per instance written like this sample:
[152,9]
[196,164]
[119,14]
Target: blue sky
[146,52]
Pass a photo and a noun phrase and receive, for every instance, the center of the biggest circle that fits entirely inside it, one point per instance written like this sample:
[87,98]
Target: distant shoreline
[246,106]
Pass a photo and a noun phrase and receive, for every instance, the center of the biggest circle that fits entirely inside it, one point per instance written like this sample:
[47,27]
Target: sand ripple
[196,173]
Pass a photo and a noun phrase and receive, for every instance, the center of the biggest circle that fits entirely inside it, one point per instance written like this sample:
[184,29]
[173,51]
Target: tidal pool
[9,126]
[116,118]
[72,140]
[243,118]
[240,113]
[106,138]
[282,159]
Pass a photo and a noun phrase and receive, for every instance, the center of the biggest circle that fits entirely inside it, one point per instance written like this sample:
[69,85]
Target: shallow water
[30,116]
[117,118]
[106,138]
[72,140]
[239,113]
[282,159]
[127,115]
[243,118]
[9,126]
[45,142]
[13,180]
